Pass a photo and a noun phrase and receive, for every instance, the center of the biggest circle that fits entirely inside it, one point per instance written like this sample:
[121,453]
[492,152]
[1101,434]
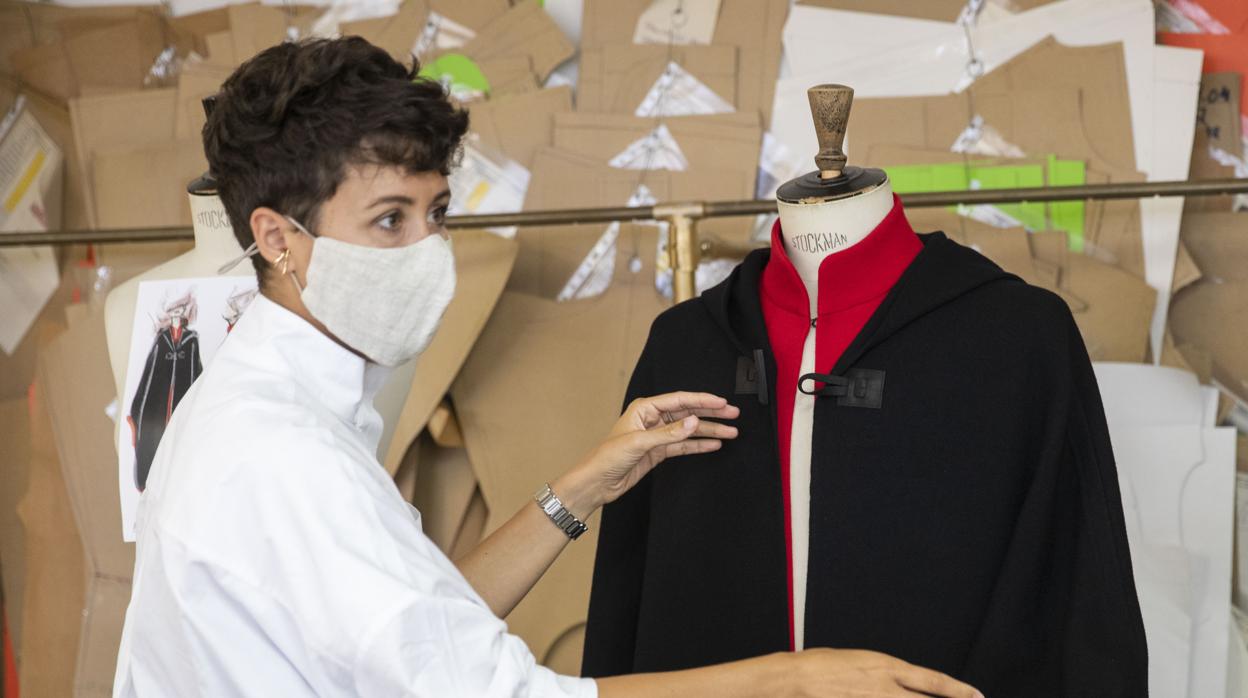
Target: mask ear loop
[250,251]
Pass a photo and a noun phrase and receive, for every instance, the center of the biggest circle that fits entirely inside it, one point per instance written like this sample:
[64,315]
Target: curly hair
[289,122]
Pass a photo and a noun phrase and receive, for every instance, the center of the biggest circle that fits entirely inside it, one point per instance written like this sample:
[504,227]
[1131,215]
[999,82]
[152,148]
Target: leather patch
[865,389]
[859,387]
[752,376]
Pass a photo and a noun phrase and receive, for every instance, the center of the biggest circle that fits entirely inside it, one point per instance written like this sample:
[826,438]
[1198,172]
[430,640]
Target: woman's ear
[268,227]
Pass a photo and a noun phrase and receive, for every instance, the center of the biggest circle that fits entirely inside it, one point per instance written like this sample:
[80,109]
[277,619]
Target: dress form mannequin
[215,245]
[822,213]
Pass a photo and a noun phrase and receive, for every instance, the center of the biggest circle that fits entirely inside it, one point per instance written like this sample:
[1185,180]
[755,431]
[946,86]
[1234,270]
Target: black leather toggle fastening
[752,376]
[859,387]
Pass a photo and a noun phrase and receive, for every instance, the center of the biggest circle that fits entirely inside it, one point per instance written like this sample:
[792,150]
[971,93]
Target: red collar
[859,274]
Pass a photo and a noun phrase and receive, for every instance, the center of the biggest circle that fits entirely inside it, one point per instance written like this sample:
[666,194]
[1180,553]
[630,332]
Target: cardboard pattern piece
[125,120]
[55,583]
[77,381]
[445,485]
[526,29]
[145,187]
[753,27]
[710,143]
[531,406]
[1214,316]
[519,125]
[483,261]
[562,179]
[617,77]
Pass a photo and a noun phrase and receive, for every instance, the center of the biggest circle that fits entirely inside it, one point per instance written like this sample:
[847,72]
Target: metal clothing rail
[684,246]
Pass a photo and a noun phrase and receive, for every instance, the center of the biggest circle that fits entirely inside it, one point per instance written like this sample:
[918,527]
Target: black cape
[965,513]
[168,372]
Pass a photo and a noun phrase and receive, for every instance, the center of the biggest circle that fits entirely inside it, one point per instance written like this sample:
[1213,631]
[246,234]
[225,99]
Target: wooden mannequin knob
[829,107]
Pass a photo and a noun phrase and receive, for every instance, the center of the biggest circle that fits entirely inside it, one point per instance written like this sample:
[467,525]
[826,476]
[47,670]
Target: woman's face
[374,206]
[378,207]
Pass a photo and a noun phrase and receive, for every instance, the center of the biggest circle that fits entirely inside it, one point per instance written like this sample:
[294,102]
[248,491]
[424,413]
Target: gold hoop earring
[284,260]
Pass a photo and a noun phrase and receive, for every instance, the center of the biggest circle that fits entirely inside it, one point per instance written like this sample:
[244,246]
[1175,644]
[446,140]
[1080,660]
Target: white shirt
[276,557]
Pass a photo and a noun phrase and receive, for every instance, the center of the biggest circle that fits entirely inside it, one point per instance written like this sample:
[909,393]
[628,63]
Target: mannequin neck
[812,232]
[214,237]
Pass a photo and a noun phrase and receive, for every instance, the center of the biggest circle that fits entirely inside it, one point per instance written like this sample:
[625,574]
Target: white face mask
[384,302]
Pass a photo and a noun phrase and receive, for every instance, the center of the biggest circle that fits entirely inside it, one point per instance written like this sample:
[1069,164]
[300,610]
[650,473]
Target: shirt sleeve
[377,605]
[450,647]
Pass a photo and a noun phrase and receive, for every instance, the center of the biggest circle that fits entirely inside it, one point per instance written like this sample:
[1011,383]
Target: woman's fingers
[671,407]
[726,412]
[691,447]
[647,440]
[932,683]
[714,430]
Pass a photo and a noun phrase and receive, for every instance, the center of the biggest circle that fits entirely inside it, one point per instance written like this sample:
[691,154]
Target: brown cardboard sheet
[146,187]
[220,48]
[483,263]
[616,77]
[143,118]
[197,81]
[472,530]
[56,579]
[563,179]
[564,656]
[531,406]
[77,380]
[192,30]
[475,15]
[518,125]
[1218,243]
[1097,72]
[1218,128]
[1112,307]
[14,482]
[935,10]
[525,30]
[1213,316]
[397,34]
[78,385]
[509,75]
[1039,122]
[444,489]
[753,27]
[255,27]
[710,143]
[93,54]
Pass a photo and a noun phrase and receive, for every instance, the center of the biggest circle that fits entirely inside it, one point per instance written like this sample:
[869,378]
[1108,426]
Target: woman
[275,556]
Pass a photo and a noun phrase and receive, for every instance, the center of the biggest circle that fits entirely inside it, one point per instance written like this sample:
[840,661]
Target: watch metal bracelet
[571,526]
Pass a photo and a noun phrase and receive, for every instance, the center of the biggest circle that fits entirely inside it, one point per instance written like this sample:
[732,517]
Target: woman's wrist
[580,493]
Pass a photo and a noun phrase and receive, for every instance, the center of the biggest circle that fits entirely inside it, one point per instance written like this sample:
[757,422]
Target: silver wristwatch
[571,526]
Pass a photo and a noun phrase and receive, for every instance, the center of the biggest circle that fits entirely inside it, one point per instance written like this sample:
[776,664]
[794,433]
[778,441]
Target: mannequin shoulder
[686,319]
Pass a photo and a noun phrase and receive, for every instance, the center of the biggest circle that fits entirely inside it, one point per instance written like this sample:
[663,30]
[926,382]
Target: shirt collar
[341,381]
[849,277]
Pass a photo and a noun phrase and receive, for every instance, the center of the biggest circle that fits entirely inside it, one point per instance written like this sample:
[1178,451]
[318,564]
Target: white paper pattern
[677,22]
[678,93]
[30,170]
[657,150]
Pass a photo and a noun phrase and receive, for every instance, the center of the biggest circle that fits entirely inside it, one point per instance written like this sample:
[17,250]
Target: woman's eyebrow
[392,199]
[445,194]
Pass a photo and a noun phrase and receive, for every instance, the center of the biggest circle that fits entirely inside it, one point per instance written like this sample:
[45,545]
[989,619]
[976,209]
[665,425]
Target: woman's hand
[817,673]
[651,430]
[828,672]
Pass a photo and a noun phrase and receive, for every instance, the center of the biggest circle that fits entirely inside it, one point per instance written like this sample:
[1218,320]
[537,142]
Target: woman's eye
[391,221]
[437,217]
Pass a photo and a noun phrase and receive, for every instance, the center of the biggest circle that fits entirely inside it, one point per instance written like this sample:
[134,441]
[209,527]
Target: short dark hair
[288,123]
